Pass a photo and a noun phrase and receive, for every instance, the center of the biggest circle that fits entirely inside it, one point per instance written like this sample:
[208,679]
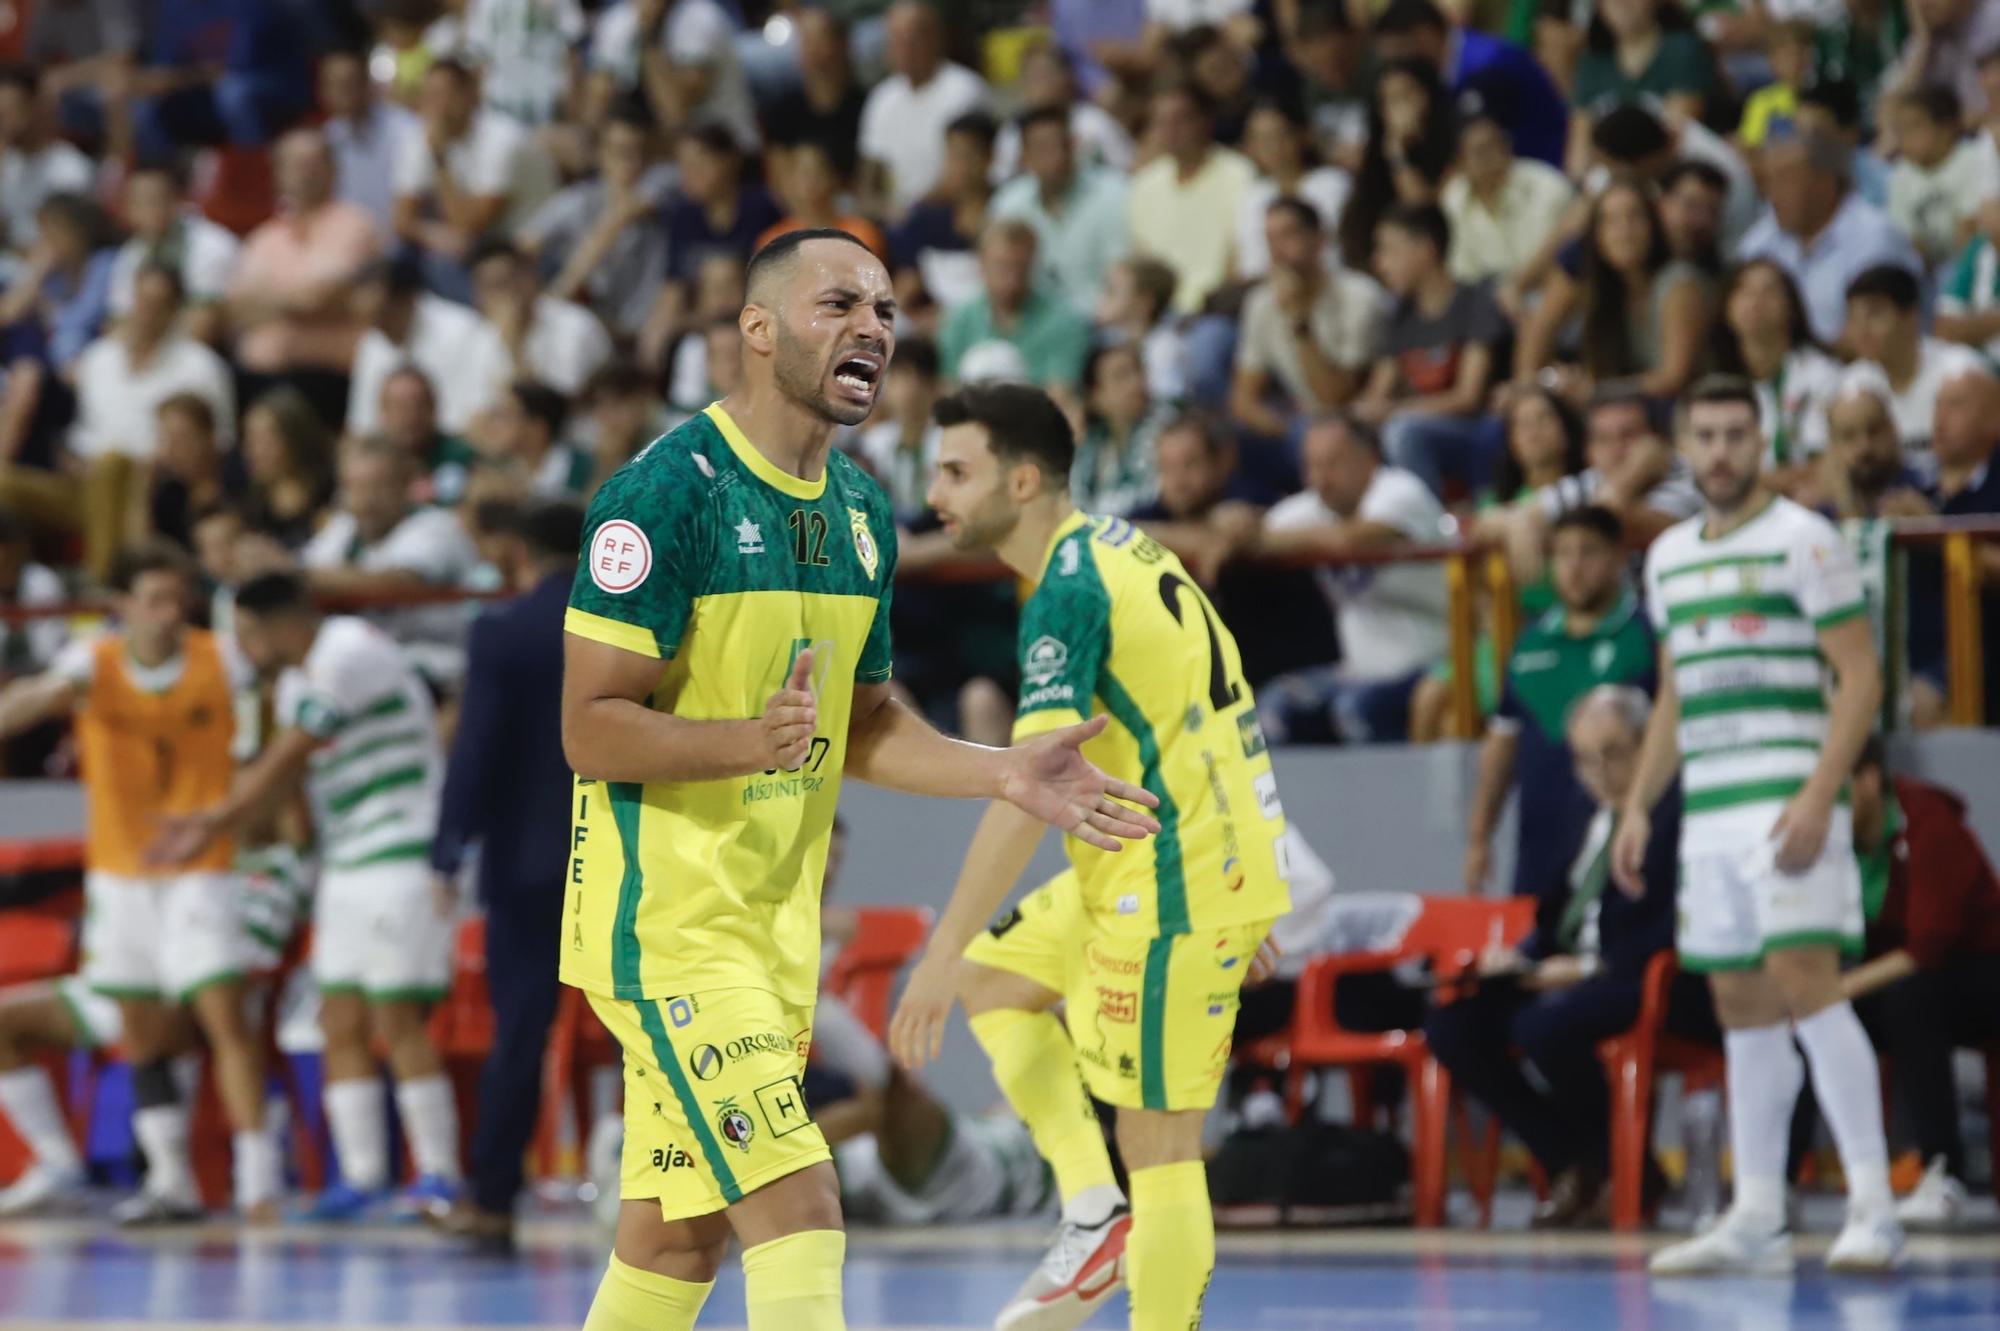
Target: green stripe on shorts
[1152,1025]
[670,1063]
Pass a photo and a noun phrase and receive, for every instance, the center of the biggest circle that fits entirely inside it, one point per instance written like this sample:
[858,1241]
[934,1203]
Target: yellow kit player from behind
[726,662]
[1146,950]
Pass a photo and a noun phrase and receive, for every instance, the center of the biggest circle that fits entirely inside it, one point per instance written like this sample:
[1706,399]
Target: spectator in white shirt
[1048,79]
[1137,305]
[34,163]
[1278,143]
[1503,209]
[166,231]
[555,341]
[122,378]
[368,134]
[1310,328]
[378,539]
[461,356]
[1940,177]
[470,172]
[682,55]
[27,648]
[1077,211]
[1391,617]
[1885,327]
[904,119]
[525,49]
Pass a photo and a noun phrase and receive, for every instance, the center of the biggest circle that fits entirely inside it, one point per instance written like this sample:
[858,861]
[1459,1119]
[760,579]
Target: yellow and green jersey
[1117,625]
[703,554]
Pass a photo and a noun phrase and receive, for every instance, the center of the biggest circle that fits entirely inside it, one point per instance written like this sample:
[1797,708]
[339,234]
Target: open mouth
[858,373]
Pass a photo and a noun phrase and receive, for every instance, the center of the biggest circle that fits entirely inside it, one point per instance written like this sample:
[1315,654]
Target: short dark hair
[21,76]
[217,508]
[1155,281]
[920,354]
[1874,755]
[1203,104]
[275,593]
[1629,133]
[1424,221]
[152,556]
[1721,389]
[1215,436]
[553,529]
[1321,18]
[172,168]
[622,377]
[1706,172]
[1042,115]
[715,137]
[193,406]
[494,246]
[453,66]
[541,403]
[977,124]
[403,274]
[1023,424]
[779,252]
[1839,98]
[1303,212]
[153,268]
[1619,393]
[1936,102]
[1407,16]
[1591,518]
[1887,281]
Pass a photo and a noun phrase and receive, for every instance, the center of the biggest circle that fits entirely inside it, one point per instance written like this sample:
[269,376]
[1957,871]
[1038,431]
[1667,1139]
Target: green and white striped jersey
[376,778]
[277,899]
[1741,617]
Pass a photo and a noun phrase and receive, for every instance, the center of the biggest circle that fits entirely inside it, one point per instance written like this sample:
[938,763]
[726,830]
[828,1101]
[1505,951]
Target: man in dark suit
[1575,980]
[507,790]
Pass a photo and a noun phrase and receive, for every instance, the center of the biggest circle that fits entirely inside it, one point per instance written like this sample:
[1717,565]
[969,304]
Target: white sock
[1848,1083]
[354,1115]
[1765,1075]
[162,1131]
[28,1098]
[430,1119]
[257,1169]
[1094,1205]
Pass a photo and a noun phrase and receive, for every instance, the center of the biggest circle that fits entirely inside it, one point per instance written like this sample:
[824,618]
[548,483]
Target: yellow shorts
[713,1105]
[1151,1018]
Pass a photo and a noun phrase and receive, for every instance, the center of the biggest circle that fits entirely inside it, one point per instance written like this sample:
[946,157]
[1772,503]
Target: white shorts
[161,937]
[379,930]
[1735,906]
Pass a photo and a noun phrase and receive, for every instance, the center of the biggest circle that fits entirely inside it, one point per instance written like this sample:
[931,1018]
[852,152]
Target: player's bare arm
[610,734]
[255,796]
[1849,647]
[1046,777]
[29,702]
[1659,760]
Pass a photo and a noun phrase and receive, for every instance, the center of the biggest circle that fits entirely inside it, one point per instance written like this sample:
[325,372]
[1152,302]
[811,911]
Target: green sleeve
[877,658]
[1958,287]
[1685,66]
[1065,637]
[644,556]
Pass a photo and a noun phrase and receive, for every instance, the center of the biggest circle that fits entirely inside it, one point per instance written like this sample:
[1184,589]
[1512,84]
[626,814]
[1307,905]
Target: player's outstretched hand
[790,718]
[916,1032]
[1049,778]
[183,836]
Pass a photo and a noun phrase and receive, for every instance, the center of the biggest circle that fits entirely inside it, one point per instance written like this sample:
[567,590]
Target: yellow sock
[1036,1067]
[1171,1252]
[629,1299]
[793,1283]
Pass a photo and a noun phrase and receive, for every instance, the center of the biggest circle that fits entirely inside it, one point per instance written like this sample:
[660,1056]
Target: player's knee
[343,1020]
[220,1011]
[691,1250]
[1151,1137]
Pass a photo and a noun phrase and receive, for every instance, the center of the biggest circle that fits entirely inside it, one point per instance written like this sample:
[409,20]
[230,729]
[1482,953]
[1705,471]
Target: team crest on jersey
[1601,657]
[734,1125]
[864,542]
[1046,659]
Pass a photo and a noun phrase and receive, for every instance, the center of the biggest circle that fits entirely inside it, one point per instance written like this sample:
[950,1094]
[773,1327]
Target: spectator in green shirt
[1637,49]
[1050,335]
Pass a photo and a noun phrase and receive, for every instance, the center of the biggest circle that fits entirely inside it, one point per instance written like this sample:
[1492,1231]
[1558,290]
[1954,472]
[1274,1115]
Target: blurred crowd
[317,283]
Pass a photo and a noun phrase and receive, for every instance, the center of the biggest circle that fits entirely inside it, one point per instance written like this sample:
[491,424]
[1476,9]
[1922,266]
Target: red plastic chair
[1449,933]
[863,975]
[1631,1062]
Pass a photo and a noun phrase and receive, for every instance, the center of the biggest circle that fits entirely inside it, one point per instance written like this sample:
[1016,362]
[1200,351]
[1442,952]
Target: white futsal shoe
[1732,1246]
[1869,1244]
[40,1188]
[1082,1269]
[1938,1203]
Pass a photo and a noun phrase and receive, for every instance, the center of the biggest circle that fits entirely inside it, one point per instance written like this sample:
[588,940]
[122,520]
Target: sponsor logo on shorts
[1127,1067]
[1225,955]
[1129,904]
[1118,1005]
[802,1043]
[734,1125]
[705,1062]
[763,1042]
[1232,873]
[680,1011]
[783,1105]
[671,1158]
[1105,961]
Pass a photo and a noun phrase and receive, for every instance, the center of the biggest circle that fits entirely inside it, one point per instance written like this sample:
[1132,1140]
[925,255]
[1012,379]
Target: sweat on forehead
[778,262]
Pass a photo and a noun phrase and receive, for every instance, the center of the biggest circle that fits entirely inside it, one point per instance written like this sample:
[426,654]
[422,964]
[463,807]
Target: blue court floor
[77,1274]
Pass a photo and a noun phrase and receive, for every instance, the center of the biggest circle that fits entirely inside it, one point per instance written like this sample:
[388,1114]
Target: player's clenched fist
[790,718]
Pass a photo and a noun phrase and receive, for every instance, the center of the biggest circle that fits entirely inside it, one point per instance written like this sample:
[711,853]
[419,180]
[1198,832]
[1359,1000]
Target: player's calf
[30,1020]
[661,1270]
[426,1101]
[222,1011]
